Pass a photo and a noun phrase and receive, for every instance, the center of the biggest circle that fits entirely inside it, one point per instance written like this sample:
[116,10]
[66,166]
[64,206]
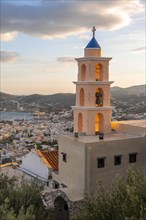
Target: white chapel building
[40,164]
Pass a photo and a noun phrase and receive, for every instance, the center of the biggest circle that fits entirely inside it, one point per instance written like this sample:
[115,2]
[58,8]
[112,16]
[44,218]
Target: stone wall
[50,197]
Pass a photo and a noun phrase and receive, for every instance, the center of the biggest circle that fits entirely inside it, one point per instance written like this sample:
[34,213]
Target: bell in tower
[92,113]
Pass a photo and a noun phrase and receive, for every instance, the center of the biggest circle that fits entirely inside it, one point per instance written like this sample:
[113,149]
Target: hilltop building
[40,164]
[99,148]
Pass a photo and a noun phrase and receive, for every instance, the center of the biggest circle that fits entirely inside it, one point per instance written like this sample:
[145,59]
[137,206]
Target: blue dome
[93,44]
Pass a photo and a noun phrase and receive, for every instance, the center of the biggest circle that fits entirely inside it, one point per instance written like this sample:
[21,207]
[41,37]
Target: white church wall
[32,163]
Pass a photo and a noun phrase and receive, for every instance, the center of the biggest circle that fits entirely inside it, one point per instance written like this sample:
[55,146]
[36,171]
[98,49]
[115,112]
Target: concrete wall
[109,149]
[128,128]
[92,52]
[32,163]
[72,172]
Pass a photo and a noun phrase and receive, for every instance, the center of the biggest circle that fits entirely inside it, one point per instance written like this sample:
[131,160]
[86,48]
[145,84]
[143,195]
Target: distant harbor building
[99,148]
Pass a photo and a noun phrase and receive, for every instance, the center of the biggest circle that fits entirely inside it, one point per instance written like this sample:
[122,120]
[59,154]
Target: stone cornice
[101,108]
[93,82]
[93,58]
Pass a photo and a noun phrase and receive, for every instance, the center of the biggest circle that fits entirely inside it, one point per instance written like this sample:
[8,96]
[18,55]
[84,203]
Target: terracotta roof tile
[49,158]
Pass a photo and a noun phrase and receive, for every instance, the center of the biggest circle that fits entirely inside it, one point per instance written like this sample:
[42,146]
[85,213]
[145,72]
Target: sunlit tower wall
[93,112]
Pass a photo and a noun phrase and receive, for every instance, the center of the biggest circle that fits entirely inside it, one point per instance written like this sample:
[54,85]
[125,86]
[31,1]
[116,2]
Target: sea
[12,116]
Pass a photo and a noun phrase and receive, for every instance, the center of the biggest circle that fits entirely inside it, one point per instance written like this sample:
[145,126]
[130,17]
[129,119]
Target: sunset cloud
[140,49]
[8,36]
[66,59]
[70,17]
[8,56]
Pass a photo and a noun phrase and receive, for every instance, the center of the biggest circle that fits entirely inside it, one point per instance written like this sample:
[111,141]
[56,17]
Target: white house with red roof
[40,164]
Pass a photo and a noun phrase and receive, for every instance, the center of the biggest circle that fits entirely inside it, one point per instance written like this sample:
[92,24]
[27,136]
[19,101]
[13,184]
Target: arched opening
[83,72]
[82,97]
[98,72]
[80,122]
[99,123]
[61,209]
[99,97]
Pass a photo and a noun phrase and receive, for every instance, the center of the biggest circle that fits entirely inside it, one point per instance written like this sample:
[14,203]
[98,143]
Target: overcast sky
[41,38]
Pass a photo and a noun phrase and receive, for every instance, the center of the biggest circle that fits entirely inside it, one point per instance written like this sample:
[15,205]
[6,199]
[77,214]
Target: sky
[41,38]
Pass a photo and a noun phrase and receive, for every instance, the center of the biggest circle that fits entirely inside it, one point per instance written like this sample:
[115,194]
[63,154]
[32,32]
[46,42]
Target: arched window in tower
[99,122]
[82,95]
[80,122]
[83,72]
[99,97]
[98,72]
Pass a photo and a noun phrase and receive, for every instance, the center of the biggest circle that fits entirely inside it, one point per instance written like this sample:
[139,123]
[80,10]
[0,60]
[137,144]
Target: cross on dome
[93,43]
[93,30]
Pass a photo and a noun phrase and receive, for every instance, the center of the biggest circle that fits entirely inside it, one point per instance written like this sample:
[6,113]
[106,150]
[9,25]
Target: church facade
[99,148]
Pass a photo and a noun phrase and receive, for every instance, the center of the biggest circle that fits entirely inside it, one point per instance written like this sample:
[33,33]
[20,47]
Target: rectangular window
[117,160]
[101,162]
[132,157]
[64,157]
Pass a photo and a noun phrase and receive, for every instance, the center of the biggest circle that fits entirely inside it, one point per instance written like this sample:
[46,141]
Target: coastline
[15,115]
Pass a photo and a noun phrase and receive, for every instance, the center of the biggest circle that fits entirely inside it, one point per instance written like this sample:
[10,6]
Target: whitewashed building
[40,164]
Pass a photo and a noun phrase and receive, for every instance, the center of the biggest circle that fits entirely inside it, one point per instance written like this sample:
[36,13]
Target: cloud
[66,59]
[84,37]
[8,36]
[46,70]
[133,36]
[143,18]
[137,50]
[8,56]
[49,19]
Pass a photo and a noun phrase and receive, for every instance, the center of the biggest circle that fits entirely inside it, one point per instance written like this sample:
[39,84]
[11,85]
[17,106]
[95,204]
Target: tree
[7,213]
[124,200]
[22,202]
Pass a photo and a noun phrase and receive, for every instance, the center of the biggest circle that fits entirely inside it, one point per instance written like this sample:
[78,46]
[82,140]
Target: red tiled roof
[49,158]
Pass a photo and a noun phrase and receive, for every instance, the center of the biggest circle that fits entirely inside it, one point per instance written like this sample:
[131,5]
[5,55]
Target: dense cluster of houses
[18,138]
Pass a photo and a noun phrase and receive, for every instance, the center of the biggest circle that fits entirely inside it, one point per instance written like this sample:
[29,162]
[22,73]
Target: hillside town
[19,137]
[72,110]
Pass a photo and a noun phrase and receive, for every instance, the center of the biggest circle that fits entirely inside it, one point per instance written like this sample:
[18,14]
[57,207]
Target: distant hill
[60,99]
[133,90]
[139,90]
[6,97]
[68,99]
[116,88]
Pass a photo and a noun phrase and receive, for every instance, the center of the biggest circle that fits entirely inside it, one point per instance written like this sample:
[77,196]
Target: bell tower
[92,113]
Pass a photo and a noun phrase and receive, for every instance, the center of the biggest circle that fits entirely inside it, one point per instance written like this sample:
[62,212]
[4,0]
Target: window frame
[64,157]
[117,163]
[133,160]
[102,164]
